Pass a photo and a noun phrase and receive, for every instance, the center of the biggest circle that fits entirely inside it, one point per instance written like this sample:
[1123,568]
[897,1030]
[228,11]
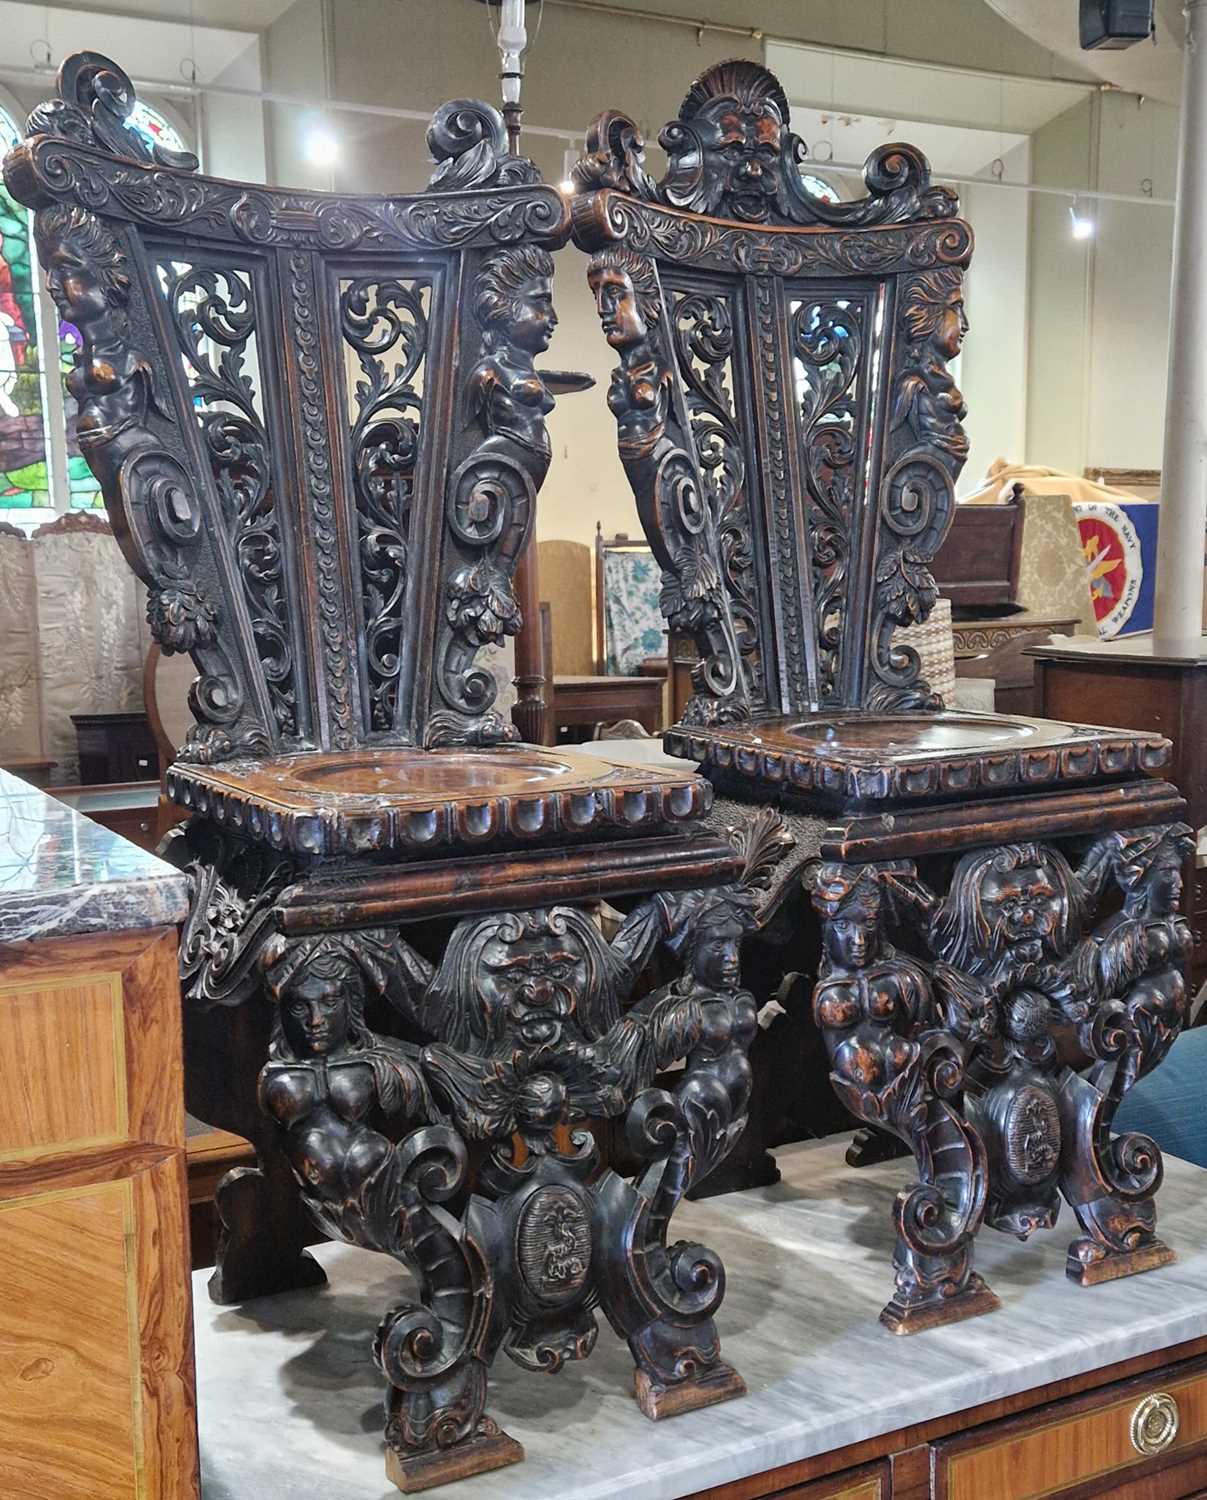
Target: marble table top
[290,1405]
[61,873]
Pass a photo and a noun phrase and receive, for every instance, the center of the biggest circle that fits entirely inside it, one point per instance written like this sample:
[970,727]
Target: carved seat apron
[320,432]
[792,435]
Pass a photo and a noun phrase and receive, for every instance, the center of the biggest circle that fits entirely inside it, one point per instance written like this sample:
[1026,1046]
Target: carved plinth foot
[916,1317]
[490,1449]
[1090,1263]
[263,1228]
[870,1146]
[735,1176]
[720,1383]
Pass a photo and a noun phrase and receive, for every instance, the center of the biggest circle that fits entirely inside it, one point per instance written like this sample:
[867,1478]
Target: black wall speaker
[1115,23]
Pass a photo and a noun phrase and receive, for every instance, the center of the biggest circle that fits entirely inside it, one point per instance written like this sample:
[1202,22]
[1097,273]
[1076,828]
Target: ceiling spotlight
[1083,227]
[322,148]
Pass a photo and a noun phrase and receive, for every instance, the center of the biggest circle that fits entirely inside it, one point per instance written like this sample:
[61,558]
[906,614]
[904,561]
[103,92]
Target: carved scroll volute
[656,449]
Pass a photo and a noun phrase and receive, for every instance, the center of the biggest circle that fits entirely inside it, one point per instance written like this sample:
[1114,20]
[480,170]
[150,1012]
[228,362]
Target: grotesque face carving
[533,979]
[741,146]
[1022,908]
[1018,904]
[728,146]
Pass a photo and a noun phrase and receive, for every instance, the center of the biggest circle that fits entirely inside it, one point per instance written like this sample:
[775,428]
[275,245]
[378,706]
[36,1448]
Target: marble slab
[62,874]
[290,1406]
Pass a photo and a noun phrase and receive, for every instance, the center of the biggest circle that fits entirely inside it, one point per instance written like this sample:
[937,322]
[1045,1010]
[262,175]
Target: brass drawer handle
[1154,1424]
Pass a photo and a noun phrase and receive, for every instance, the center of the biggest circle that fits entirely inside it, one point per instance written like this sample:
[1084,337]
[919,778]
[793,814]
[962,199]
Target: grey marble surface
[61,873]
[290,1406]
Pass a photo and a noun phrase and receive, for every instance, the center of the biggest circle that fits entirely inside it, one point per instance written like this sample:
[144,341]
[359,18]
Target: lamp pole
[1183,516]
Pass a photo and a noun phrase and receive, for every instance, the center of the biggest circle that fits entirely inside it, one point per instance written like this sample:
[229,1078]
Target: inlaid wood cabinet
[96,1351]
[1141,1435]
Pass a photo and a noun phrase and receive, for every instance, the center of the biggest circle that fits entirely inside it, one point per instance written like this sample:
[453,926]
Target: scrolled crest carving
[732,155]
[93,108]
[468,142]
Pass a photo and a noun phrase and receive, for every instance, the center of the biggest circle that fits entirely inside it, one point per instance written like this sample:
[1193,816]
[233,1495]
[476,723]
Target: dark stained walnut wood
[792,434]
[320,430]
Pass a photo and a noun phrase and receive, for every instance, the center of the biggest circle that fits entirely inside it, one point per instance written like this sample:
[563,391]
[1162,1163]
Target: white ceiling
[159,48]
[859,83]
[1143,69]
[957,150]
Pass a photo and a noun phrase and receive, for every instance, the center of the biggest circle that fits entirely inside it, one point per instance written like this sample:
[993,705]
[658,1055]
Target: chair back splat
[787,418]
[300,404]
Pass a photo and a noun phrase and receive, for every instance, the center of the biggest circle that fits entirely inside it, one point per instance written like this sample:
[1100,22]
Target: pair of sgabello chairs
[421,955]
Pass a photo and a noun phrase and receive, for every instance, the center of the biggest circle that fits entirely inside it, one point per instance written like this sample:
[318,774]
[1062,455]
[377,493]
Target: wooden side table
[1129,684]
[96,1338]
[583,702]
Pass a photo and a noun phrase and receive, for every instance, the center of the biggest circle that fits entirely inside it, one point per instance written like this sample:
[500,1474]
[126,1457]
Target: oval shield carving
[1031,1135]
[553,1245]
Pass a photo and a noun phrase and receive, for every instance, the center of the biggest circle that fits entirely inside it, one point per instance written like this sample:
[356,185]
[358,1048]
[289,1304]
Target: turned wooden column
[530,712]
[1179,598]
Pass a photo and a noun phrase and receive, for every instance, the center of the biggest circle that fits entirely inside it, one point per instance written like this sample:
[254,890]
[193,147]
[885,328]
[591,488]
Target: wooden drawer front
[869,1483]
[65,1067]
[1051,1453]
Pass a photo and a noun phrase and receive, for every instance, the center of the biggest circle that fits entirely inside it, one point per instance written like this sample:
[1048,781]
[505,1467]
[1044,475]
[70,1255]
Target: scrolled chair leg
[896,1070]
[1137,955]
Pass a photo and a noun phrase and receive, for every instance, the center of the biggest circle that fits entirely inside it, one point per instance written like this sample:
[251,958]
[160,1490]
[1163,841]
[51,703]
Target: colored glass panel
[24,481]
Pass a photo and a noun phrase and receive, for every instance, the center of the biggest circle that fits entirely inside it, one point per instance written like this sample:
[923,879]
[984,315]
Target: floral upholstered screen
[632,620]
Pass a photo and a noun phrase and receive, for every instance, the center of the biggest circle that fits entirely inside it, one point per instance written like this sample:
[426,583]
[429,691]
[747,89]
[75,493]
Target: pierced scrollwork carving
[489,497]
[827,343]
[731,155]
[964,1032]
[699,550]
[214,318]
[384,321]
[530,1031]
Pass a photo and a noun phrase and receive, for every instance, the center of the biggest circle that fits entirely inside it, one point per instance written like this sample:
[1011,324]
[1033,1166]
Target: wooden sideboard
[96,1338]
[1078,1439]
[1131,683]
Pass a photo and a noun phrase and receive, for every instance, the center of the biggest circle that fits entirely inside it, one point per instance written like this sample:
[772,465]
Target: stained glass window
[24,470]
[40,474]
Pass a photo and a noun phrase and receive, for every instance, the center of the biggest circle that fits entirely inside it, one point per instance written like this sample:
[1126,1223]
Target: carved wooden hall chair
[792,436]
[320,433]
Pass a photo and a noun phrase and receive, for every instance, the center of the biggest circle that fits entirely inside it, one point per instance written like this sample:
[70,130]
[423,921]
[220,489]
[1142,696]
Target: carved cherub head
[849,898]
[934,310]
[513,298]
[85,268]
[1149,868]
[319,988]
[1019,904]
[726,150]
[627,295]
